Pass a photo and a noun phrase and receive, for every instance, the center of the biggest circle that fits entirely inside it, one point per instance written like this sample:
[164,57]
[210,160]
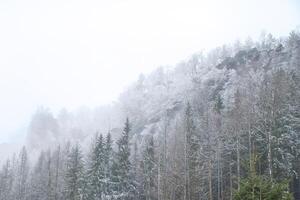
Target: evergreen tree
[108,160]
[14,178]
[258,187]
[39,179]
[22,175]
[96,171]
[123,186]
[63,169]
[74,175]
[6,181]
[59,163]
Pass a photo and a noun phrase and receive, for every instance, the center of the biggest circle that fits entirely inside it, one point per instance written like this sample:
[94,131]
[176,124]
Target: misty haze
[149,100]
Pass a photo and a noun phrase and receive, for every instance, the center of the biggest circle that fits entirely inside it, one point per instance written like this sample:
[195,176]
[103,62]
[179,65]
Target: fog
[64,53]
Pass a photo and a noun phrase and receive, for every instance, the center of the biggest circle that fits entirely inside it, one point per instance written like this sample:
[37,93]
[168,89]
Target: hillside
[201,128]
[166,90]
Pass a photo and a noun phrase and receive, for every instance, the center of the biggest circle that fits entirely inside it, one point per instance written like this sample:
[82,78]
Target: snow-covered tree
[6,181]
[74,176]
[123,185]
[149,166]
[96,171]
[108,160]
[21,183]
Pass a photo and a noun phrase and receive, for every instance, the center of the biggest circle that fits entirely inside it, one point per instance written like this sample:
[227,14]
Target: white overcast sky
[68,53]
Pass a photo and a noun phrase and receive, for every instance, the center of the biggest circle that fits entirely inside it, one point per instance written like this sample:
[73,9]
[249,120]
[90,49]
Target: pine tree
[258,187]
[22,175]
[39,179]
[14,178]
[49,175]
[63,169]
[108,160]
[74,175]
[123,186]
[96,171]
[58,168]
[6,180]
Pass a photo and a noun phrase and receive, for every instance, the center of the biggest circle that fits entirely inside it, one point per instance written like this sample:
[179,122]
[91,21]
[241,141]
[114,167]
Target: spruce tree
[22,175]
[96,171]
[108,159]
[6,180]
[74,175]
[258,187]
[38,179]
[121,167]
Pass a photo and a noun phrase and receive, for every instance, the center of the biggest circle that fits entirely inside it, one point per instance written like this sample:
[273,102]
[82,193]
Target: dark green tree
[258,187]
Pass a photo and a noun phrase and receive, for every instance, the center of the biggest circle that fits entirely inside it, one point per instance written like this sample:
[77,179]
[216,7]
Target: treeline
[236,136]
[66,173]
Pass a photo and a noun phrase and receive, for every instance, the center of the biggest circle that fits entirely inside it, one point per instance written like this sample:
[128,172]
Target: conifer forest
[221,125]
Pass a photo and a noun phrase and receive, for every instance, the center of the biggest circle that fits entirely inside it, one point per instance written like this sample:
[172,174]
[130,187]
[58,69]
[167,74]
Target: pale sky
[68,53]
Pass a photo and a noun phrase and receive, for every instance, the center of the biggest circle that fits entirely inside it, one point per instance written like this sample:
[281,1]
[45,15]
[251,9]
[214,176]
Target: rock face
[278,57]
[240,59]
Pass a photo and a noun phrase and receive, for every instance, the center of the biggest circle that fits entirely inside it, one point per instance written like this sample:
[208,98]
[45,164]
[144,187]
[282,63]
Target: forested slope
[195,131]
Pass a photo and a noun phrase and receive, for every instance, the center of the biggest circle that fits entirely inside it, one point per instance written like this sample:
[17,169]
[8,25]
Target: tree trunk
[238,162]
[270,155]
[57,174]
[230,177]
[219,171]
[210,179]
